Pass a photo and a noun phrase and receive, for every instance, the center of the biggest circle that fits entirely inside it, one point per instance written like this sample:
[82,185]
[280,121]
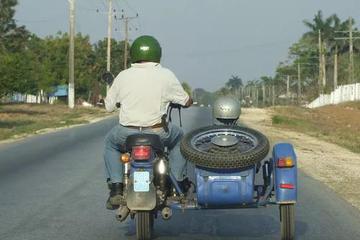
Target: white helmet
[226,108]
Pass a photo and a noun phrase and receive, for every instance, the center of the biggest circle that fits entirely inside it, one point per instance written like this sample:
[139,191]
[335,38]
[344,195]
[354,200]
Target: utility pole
[351,52]
[323,67]
[254,94]
[264,93]
[351,39]
[320,64]
[299,84]
[71,86]
[126,40]
[252,90]
[288,89]
[320,61]
[336,67]
[108,57]
[273,95]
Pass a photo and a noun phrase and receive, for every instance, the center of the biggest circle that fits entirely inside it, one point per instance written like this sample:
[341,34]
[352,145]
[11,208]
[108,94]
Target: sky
[204,42]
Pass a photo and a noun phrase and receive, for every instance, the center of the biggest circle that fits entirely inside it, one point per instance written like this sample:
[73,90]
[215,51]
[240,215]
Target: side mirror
[107,77]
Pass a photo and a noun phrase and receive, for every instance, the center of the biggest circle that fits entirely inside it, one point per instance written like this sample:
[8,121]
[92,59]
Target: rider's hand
[189,103]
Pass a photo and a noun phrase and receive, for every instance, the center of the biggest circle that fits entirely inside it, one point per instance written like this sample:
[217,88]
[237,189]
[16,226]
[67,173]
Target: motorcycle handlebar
[172,105]
[175,105]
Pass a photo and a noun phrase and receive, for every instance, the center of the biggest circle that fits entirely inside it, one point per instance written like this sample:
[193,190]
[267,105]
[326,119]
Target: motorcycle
[226,159]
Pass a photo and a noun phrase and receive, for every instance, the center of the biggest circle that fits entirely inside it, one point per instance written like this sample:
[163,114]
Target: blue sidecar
[224,181]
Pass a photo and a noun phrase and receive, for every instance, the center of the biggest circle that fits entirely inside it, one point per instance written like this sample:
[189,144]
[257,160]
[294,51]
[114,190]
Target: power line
[129,6]
[228,51]
[117,4]
[37,20]
[133,11]
[126,20]
[104,4]
[351,40]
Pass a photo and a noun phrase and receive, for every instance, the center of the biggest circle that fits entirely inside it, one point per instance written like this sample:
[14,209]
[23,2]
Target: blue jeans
[115,141]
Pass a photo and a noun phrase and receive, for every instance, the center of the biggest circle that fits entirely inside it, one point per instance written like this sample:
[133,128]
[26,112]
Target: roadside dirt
[18,121]
[337,124]
[331,164]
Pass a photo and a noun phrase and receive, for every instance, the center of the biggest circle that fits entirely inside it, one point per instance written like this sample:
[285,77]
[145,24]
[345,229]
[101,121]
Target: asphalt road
[52,187]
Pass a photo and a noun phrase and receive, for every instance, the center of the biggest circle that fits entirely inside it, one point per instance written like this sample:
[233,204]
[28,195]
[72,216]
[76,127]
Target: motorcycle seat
[142,139]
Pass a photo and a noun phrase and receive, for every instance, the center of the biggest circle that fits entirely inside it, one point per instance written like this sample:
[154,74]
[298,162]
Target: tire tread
[228,160]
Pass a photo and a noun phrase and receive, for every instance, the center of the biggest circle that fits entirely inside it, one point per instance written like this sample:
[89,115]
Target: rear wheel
[287,221]
[144,225]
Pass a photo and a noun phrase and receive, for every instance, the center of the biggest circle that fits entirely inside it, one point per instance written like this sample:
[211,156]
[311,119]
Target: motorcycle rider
[144,91]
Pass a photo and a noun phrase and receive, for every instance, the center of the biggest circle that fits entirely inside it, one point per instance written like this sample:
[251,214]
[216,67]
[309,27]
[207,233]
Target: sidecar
[235,168]
[256,178]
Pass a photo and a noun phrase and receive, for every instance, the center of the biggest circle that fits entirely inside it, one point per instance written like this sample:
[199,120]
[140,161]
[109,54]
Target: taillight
[141,152]
[287,186]
[285,162]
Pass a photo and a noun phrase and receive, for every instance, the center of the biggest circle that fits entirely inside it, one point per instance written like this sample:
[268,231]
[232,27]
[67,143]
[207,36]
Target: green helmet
[145,48]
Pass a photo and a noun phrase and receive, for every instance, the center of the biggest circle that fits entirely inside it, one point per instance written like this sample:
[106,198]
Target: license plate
[141,181]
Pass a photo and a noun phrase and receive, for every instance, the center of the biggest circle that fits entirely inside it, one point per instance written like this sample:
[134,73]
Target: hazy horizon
[204,42]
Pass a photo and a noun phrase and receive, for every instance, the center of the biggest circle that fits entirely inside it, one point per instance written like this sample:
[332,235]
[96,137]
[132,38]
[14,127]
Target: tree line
[316,63]
[29,63]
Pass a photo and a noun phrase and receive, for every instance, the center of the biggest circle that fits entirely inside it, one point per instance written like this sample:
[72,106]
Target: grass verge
[18,120]
[338,124]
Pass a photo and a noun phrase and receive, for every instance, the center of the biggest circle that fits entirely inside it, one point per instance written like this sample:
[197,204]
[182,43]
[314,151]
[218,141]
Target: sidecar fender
[285,177]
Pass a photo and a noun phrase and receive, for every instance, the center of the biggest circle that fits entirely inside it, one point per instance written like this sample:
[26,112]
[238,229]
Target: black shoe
[115,196]
[109,206]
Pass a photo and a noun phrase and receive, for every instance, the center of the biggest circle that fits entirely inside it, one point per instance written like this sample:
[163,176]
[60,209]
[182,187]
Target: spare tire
[199,148]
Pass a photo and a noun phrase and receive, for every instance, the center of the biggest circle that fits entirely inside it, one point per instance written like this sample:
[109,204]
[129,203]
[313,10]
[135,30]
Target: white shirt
[144,92]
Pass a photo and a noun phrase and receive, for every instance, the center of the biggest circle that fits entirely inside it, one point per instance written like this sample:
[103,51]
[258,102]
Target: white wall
[345,93]
[32,99]
[29,98]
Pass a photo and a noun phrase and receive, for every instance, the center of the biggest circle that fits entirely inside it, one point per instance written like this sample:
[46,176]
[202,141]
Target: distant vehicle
[201,105]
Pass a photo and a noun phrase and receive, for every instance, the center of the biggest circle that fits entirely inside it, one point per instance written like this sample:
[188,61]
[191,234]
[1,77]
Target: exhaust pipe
[122,213]
[166,213]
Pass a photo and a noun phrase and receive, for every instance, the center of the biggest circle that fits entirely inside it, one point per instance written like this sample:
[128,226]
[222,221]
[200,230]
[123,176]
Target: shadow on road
[216,224]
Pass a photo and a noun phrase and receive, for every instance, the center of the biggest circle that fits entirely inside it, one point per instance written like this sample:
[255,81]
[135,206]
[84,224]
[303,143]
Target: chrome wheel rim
[203,142]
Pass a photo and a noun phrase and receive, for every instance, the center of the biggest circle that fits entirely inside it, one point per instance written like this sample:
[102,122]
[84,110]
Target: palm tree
[329,28]
[235,84]
[325,26]
[266,80]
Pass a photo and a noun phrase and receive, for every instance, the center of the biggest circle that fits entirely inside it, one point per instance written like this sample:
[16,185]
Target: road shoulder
[21,121]
[331,164]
